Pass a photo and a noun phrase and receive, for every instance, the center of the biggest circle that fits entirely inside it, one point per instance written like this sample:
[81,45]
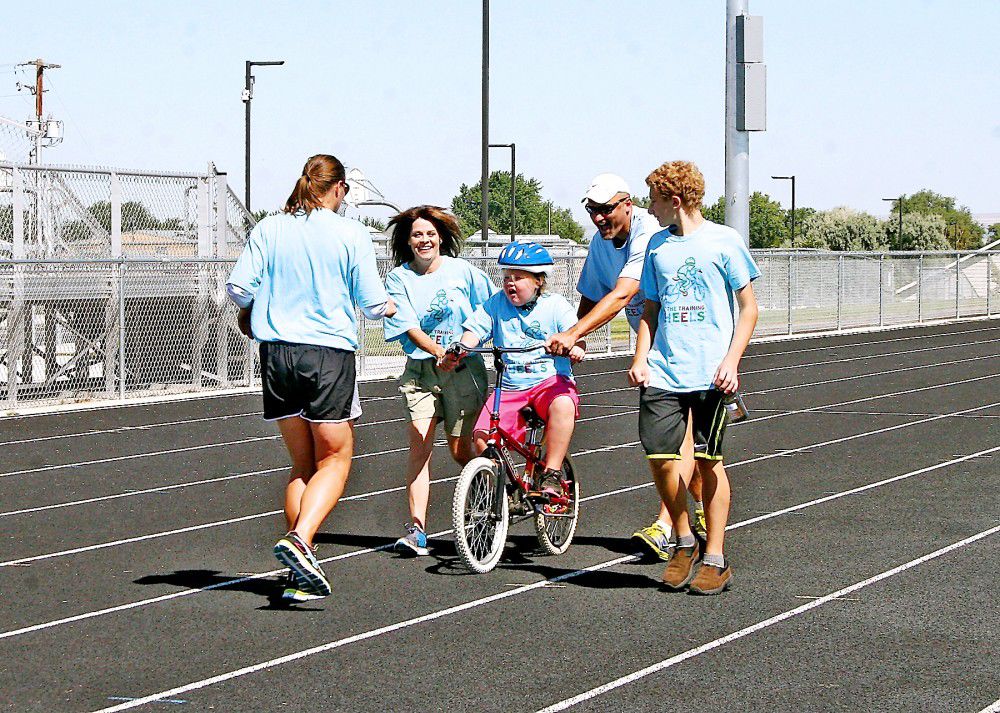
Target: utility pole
[900,206]
[484,198]
[40,66]
[746,78]
[247,96]
[792,179]
[513,187]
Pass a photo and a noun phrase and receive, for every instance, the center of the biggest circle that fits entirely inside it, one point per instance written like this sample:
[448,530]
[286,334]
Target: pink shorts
[539,397]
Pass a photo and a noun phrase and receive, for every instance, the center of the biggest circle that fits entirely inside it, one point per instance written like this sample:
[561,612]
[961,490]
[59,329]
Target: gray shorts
[452,397]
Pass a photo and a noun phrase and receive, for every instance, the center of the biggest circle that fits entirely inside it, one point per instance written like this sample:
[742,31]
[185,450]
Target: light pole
[513,187]
[247,96]
[792,179]
[900,205]
[484,186]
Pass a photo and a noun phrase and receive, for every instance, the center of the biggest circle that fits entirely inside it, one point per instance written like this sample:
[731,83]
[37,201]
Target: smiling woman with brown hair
[435,291]
[298,283]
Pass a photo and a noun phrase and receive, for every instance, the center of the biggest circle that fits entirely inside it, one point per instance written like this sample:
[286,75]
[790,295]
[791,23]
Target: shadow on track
[522,555]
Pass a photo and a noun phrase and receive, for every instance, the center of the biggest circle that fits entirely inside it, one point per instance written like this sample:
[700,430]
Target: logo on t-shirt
[437,311]
[688,283]
[534,330]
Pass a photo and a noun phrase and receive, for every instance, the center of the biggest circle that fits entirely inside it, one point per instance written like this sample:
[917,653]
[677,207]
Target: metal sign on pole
[745,107]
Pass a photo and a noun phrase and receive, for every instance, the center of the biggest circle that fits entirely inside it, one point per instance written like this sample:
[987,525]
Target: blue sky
[865,99]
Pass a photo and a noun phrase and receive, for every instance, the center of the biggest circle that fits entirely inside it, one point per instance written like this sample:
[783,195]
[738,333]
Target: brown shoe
[711,579]
[682,567]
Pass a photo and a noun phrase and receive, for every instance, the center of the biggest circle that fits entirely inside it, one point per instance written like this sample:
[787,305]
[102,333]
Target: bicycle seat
[531,417]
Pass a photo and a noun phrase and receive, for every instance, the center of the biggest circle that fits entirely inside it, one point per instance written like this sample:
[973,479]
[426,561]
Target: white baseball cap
[604,187]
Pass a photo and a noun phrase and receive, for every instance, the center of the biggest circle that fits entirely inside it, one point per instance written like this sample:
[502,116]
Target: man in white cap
[609,282]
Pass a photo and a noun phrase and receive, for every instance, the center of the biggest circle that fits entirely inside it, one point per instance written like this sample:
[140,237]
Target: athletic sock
[686,541]
[665,526]
[715,561]
[699,505]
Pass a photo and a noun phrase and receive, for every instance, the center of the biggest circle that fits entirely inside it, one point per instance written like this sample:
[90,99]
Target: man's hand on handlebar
[560,344]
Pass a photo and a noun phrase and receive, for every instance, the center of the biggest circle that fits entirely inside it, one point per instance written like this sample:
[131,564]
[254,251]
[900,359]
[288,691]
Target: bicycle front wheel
[555,527]
[480,516]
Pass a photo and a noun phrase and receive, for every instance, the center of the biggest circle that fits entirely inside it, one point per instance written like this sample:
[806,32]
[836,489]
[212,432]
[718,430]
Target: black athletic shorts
[663,417]
[314,382]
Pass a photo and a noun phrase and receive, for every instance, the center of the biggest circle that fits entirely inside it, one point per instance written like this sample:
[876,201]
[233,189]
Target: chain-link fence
[100,213]
[16,140]
[79,330]
[112,287]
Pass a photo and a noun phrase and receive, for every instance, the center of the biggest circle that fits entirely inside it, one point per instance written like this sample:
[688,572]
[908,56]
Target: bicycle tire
[480,515]
[555,534]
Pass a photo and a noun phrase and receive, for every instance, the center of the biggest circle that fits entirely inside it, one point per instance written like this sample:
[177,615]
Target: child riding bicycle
[522,314]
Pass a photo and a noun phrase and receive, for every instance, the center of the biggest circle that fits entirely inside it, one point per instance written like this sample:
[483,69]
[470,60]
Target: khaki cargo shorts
[452,397]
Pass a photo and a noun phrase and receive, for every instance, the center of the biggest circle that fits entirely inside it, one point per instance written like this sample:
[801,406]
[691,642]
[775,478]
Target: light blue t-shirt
[605,263]
[307,275]
[511,326]
[694,278]
[438,302]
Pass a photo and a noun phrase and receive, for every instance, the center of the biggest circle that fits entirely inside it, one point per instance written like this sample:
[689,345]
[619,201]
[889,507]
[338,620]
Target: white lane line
[890,395]
[126,429]
[364,400]
[862,376]
[868,357]
[375,423]
[834,441]
[866,344]
[219,523]
[578,377]
[176,486]
[115,459]
[900,413]
[992,708]
[230,521]
[598,496]
[476,603]
[771,621]
[833,361]
[526,588]
[133,456]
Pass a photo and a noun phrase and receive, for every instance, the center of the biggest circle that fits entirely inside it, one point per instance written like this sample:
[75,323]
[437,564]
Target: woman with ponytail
[298,283]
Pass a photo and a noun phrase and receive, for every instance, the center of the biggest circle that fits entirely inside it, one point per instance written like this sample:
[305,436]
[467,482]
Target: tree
[135,216]
[259,215]
[7,223]
[968,233]
[921,231]
[993,233]
[532,210]
[715,212]
[845,229]
[370,222]
[769,227]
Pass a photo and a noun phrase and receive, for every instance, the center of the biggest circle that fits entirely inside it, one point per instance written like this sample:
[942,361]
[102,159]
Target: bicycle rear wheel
[555,531]
[480,515]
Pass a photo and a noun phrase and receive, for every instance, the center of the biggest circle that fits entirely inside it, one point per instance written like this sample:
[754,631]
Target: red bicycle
[492,490]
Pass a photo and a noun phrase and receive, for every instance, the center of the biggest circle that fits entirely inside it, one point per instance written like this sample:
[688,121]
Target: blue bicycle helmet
[530,257]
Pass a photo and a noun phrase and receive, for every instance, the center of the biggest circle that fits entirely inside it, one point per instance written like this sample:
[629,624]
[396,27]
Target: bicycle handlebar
[459,348]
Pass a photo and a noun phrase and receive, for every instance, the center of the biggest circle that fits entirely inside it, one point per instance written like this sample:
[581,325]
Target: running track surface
[135,564]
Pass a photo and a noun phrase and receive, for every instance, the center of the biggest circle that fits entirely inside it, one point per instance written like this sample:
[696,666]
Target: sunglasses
[604,209]
[347,187]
